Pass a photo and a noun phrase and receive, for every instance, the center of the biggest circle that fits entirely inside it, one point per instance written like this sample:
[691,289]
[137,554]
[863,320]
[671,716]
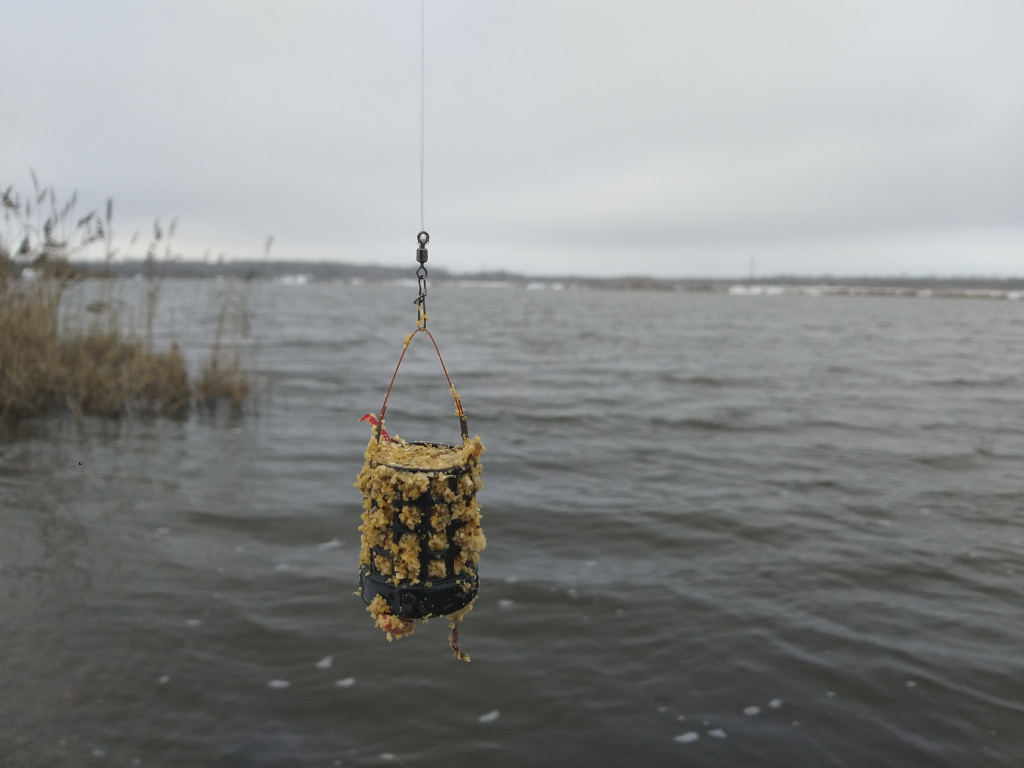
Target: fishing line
[423,103]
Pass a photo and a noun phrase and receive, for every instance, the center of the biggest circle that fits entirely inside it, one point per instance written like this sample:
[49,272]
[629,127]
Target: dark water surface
[723,531]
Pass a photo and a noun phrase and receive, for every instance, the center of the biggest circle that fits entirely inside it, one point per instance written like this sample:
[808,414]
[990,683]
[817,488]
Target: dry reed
[54,358]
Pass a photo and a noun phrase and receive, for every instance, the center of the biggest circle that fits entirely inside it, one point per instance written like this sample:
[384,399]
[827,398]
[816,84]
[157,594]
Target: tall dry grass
[222,376]
[56,356]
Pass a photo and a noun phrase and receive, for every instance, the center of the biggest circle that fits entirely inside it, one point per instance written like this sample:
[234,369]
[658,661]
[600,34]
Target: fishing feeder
[421,535]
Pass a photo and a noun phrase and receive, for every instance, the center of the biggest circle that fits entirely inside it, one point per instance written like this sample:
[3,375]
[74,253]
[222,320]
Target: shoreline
[302,273]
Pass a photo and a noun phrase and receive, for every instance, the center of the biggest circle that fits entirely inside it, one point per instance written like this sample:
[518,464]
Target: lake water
[722,531]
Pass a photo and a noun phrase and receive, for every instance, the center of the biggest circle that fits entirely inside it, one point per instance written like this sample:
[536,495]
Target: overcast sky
[659,137]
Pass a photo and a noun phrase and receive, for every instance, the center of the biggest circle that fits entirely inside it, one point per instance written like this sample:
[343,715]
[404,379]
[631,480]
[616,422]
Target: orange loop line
[458,402]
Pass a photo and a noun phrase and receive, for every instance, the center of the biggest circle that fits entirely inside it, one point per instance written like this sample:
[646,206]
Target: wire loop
[459,411]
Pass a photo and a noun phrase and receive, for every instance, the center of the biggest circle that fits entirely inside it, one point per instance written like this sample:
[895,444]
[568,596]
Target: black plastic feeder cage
[427,524]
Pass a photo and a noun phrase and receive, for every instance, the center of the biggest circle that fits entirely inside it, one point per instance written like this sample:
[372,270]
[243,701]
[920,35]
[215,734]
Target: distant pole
[751,268]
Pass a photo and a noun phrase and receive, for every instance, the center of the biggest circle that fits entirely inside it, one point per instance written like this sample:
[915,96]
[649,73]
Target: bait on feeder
[421,536]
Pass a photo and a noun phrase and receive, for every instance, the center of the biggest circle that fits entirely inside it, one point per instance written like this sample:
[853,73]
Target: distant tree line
[265,269]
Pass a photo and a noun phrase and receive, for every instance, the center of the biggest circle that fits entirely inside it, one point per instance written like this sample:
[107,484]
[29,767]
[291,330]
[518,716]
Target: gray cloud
[663,137]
